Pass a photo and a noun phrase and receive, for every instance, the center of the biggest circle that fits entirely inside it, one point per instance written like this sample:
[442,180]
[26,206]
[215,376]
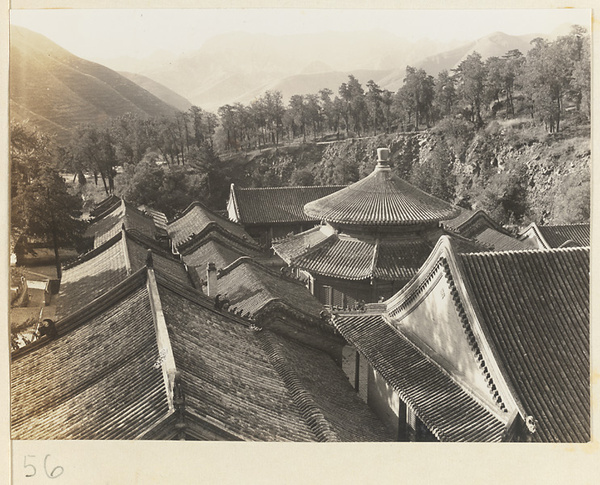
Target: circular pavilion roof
[381,198]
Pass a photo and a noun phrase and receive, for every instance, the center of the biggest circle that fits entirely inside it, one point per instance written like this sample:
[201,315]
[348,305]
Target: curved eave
[377,222]
[354,259]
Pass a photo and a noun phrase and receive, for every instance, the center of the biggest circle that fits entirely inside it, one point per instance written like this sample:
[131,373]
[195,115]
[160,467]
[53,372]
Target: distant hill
[57,90]
[239,66]
[496,44]
[161,92]
[493,45]
[312,83]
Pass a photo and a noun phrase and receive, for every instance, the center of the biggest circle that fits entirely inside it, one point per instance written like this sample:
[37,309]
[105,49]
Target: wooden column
[356,371]
[402,434]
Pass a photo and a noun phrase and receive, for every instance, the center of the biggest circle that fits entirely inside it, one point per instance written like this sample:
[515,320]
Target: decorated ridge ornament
[381,198]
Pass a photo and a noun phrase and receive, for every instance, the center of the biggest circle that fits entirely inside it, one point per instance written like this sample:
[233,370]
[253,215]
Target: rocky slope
[550,173]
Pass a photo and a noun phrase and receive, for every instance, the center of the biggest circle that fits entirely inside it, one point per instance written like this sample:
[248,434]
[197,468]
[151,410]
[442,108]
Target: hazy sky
[110,33]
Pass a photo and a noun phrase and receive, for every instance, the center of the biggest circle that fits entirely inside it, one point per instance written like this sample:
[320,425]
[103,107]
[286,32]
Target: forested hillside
[57,91]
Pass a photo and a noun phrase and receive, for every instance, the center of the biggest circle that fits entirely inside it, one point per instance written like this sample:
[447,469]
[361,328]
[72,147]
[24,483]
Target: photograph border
[217,462]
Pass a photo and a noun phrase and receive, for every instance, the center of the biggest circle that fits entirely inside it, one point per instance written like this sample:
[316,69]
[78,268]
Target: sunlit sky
[109,33]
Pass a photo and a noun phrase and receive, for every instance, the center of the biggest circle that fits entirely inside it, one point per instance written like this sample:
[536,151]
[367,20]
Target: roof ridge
[533,226]
[163,340]
[231,266]
[293,187]
[461,238]
[197,203]
[564,225]
[111,205]
[143,240]
[188,244]
[130,206]
[481,213]
[196,296]
[233,199]
[300,396]
[201,240]
[284,306]
[82,258]
[375,256]
[529,250]
[248,259]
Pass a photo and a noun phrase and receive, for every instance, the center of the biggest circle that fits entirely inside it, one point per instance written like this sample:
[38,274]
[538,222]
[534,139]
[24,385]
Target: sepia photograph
[298,225]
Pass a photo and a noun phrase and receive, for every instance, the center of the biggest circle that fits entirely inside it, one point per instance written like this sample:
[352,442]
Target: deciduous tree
[41,206]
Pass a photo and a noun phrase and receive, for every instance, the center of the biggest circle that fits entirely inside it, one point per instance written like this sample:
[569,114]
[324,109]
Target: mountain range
[236,67]
[57,90]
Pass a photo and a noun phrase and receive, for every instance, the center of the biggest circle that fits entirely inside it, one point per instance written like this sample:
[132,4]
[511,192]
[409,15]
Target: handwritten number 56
[56,472]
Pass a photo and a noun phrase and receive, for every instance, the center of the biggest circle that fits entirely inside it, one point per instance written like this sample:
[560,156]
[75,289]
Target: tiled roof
[466,245]
[347,257]
[227,378]
[159,218]
[337,257]
[499,241]
[344,412]
[293,246]
[450,412]
[124,214]
[213,250]
[534,308]
[481,228]
[250,287]
[269,205]
[91,276]
[381,198]
[456,222]
[162,261]
[104,267]
[101,378]
[97,381]
[105,206]
[556,236]
[398,261]
[195,219]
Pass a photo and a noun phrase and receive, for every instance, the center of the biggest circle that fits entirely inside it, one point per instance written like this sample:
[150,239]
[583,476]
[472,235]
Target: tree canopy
[41,206]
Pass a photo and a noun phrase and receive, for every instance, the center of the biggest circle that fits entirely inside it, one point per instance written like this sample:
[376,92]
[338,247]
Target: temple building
[271,213]
[489,346]
[395,317]
[139,350]
[152,358]
[374,236]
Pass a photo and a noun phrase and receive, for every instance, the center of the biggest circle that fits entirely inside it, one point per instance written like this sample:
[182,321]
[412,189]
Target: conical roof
[381,198]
